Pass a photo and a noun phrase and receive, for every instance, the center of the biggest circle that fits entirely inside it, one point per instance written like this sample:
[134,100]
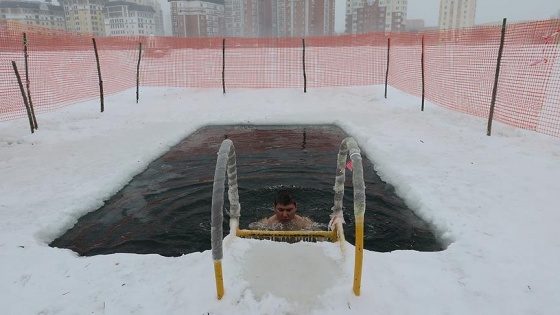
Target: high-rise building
[304,17]
[85,16]
[241,17]
[364,16]
[279,18]
[33,13]
[267,18]
[127,19]
[455,14]
[197,18]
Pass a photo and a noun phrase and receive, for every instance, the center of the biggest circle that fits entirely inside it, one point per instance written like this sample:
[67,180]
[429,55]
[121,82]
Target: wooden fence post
[304,74]
[495,89]
[24,97]
[387,71]
[138,72]
[423,74]
[99,75]
[27,83]
[224,65]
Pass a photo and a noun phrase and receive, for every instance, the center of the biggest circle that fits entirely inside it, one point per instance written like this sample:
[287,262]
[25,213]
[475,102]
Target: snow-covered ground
[493,200]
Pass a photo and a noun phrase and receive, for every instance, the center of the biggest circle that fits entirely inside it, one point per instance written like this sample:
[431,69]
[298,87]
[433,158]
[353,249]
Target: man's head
[285,206]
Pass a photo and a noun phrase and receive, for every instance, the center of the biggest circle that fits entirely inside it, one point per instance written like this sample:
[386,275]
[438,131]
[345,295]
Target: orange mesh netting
[460,67]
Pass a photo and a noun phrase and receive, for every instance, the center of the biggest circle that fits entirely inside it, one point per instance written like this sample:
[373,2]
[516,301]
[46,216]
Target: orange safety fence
[460,67]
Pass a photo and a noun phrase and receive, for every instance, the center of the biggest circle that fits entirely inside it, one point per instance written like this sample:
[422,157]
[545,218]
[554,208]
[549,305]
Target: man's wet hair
[284,197]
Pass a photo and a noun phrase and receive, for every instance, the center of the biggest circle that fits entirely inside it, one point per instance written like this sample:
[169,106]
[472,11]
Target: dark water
[166,209]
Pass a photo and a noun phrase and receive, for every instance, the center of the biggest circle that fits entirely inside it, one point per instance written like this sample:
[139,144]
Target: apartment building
[128,19]
[85,16]
[33,13]
[267,25]
[197,18]
[415,25]
[363,16]
[158,15]
[456,14]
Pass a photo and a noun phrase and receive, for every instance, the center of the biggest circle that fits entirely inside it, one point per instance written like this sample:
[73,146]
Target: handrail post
[224,164]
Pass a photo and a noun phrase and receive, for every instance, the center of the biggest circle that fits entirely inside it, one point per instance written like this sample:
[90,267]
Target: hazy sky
[489,10]
[486,11]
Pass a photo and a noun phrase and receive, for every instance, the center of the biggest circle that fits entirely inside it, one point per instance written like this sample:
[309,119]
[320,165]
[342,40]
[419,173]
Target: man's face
[285,213]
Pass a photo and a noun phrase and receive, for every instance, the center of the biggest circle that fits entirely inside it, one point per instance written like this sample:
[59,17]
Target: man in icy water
[285,217]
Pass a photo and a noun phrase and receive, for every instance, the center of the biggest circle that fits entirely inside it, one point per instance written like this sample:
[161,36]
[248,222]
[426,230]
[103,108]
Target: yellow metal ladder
[226,165]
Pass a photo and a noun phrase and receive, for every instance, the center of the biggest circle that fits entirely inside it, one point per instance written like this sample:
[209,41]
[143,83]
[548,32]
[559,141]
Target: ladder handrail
[349,147]
[226,160]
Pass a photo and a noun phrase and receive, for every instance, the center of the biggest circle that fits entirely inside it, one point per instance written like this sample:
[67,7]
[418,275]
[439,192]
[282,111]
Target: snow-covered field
[494,200]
